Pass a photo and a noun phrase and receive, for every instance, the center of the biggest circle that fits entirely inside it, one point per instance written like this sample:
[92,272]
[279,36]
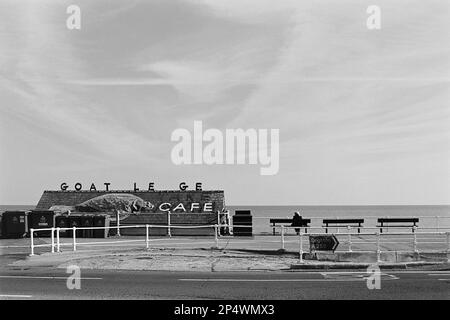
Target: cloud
[343,97]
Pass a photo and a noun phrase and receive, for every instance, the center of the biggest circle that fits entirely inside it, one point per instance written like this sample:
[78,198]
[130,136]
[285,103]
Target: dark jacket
[297,221]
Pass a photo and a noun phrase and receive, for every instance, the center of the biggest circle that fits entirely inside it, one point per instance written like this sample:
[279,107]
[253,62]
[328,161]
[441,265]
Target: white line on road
[276,280]
[56,278]
[14,296]
[6,247]
[361,275]
[390,272]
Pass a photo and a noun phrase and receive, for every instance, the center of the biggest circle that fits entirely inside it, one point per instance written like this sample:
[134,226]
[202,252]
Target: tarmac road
[42,283]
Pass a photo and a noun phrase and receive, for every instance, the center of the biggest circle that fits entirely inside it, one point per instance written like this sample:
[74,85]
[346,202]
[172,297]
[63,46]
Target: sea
[431,217]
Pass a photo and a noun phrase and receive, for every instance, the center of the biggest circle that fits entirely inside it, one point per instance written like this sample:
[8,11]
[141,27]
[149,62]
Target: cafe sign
[151,186]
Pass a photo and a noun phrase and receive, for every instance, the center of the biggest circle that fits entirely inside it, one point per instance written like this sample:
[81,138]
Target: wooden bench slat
[280,220]
[337,221]
[394,220]
[287,220]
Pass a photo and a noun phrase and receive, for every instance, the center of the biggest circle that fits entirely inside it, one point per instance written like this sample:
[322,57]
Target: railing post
[74,230]
[349,239]
[415,239]
[58,245]
[301,246]
[230,225]
[32,241]
[218,218]
[118,223]
[378,247]
[448,246]
[282,237]
[147,244]
[169,233]
[53,239]
[216,237]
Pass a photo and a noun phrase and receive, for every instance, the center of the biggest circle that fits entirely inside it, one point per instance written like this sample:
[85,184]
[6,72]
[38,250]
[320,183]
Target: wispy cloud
[344,97]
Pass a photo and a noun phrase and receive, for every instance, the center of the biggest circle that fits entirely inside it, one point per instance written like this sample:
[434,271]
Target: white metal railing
[57,231]
[378,240]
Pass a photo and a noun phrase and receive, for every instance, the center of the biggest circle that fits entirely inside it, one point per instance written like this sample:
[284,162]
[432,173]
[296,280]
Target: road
[42,283]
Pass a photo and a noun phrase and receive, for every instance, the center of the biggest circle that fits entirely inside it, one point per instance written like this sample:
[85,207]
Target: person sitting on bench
[297,221]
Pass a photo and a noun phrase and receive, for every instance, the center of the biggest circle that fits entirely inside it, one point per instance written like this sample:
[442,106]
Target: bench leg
[273,230]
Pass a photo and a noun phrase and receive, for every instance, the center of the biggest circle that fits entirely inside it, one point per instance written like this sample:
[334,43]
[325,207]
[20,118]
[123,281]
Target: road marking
[390,272]
[55,278]
[277,280]
[6,247]
[14,296]
[438,274]
[360,275]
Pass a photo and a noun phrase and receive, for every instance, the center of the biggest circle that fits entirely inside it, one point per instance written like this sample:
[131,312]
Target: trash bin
[101,220]
[62,221]
[75,221]
[87,220]
[242,223]
[1,224]
[14,224]
[41,219]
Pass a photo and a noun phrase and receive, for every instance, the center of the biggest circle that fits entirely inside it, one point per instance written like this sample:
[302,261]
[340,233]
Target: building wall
[176,219]
[72,198]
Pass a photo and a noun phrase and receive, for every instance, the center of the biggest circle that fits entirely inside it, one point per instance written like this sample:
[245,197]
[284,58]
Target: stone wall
[72,198]
[176,219]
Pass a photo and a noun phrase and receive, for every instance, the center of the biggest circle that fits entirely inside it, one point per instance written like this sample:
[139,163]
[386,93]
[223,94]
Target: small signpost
[323,243]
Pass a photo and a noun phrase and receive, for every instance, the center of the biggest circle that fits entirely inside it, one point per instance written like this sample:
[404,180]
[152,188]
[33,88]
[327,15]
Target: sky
[363,114]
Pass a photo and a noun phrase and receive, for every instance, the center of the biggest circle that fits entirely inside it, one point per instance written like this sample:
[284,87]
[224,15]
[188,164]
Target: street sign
[323,243]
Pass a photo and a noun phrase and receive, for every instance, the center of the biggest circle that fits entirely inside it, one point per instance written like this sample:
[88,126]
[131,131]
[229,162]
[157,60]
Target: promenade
[265,252]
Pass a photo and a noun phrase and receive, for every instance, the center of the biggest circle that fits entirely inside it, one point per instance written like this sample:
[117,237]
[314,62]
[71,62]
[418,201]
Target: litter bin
[242,223]
[62,221]
[1,225]
[14,224]
[74,221]
[101,220]
[87,220]
[41,219]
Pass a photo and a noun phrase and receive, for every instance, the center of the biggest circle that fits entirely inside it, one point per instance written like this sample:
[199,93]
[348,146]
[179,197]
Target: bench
[346,222]
[387,222]
[288,222]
